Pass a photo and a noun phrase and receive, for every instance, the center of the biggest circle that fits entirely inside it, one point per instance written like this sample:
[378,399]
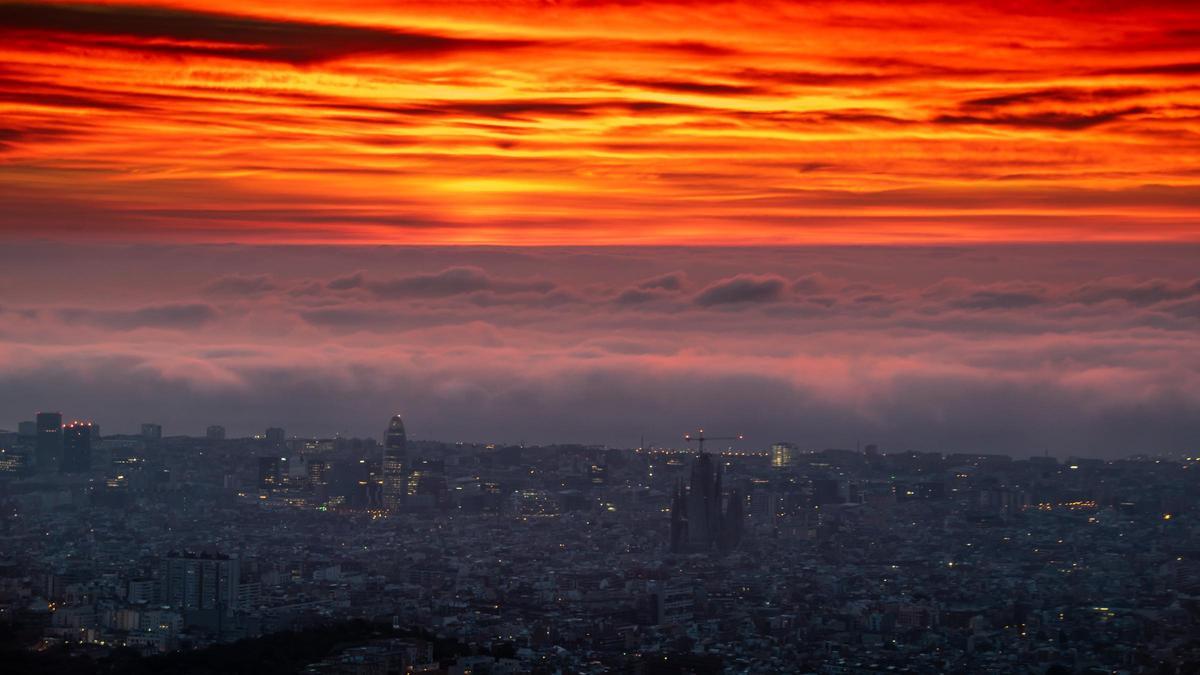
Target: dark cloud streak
[286,41]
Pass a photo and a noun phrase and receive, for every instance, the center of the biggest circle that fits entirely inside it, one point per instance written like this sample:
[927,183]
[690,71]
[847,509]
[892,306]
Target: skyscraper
[49,442]
[425,484]
[152,432]
[783,455]
[395,459]
[275,438]
[27,430]
[270,470]
[77,448]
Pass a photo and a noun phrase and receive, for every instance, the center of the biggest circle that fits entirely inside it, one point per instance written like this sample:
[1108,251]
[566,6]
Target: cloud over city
[949,349]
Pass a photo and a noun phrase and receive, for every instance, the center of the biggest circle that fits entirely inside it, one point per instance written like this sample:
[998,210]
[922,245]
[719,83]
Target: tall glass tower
[49,442]
[395,464]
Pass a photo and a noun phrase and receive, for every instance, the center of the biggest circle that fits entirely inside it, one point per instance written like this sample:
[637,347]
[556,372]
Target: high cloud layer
[584,122]
[1088,350]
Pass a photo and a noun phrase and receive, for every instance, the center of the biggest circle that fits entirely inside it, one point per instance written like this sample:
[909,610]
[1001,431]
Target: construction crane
[699,439]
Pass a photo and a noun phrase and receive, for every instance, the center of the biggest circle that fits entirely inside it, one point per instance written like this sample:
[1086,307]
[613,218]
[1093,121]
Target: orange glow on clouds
[523,122]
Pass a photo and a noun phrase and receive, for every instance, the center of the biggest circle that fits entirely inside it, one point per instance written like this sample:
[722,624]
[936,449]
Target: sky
[964,226]
[600,122]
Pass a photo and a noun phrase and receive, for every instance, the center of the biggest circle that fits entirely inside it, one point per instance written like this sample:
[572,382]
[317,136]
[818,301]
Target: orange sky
[600,122]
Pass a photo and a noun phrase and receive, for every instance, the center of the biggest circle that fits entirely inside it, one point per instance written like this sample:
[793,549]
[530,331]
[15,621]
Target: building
[215,432]
[271,470]
[13,462]
[141,591]
[675,602]
[152,432]
[426,484]
[49,447]
[783,455]
[698,523]
[275,438]
[27,430]
[317,473]
[77,448]
[200,581]
[826,491]
[395,460]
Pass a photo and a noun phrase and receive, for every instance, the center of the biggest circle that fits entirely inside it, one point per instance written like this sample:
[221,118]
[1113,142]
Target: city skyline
[585,559]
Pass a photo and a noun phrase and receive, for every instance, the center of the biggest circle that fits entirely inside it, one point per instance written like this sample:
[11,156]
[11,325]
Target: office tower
[215,432]
[151,432]
[27,430]
[77,448]
[370,483]
[395,456]
[270,471]
[12,462]
[698,523]
[317,472]
[426,484]
[783,455]
[49,447]
[275,438]
[200,581]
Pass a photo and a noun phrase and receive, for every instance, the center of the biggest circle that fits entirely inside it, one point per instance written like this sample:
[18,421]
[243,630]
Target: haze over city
[1085,350]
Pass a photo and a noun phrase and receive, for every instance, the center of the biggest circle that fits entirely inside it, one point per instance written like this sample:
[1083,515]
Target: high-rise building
[200,581]
[426,484]
[698,523]
[275,438]
[12,462]
[27,430]
[77,448]
[271,470]
[215,432]
[317,472]
[152,432]
[395,460]
[783,455]
[49,447]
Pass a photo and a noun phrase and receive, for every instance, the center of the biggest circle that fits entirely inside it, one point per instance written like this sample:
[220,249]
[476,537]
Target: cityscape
[124,551]
[599,337]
